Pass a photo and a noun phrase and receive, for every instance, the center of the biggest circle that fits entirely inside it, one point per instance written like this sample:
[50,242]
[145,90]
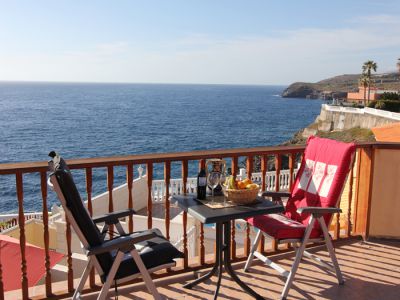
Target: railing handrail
[38,166]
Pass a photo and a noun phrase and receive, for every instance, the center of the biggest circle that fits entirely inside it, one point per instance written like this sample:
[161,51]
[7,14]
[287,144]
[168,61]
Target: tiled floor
[371,271]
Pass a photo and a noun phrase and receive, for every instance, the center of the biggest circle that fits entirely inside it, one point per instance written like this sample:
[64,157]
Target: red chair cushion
[280,227]
[319,183]
[321,177]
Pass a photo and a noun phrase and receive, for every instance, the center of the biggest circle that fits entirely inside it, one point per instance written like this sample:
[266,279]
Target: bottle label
[202,181]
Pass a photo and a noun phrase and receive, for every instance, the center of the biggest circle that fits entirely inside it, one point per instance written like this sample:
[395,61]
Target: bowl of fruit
[241,191]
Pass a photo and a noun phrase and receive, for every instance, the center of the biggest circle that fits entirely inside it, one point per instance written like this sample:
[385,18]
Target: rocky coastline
[338,86]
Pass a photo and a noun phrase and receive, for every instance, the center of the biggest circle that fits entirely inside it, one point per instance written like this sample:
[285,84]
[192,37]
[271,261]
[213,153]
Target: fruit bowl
[242,196]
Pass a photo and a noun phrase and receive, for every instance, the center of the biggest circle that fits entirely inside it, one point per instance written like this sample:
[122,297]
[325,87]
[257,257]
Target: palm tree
[364,82]
[367,68]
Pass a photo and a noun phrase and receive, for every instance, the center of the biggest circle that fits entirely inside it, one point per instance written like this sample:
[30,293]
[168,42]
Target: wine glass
[214,179]
[223,184]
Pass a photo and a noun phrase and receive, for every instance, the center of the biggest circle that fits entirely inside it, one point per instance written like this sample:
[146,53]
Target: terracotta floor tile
[371,271]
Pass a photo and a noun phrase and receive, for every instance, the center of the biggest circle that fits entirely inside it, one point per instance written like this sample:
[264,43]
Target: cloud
[307,54]
[112,48]
[382,19]
[100,51]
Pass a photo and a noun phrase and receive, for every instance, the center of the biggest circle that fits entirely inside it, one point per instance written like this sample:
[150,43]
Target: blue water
[89,120]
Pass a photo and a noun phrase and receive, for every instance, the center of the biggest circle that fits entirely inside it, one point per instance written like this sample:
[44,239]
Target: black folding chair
[116,260]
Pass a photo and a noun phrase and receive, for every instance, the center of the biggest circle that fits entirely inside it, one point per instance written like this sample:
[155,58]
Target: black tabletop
[209,215]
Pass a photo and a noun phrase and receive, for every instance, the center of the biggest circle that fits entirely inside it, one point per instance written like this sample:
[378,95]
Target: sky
[211,42]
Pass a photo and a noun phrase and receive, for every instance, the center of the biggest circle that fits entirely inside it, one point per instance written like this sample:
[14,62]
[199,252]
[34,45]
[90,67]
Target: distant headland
[338,86]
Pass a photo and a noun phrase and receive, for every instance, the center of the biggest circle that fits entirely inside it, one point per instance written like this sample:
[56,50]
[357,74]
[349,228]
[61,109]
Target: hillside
[339,86]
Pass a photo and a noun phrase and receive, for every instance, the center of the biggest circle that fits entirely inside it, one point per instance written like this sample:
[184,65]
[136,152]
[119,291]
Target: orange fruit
[241,185]
[252,186]
[247,181]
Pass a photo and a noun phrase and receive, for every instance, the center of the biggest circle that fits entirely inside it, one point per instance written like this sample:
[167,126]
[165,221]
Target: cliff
[338,86]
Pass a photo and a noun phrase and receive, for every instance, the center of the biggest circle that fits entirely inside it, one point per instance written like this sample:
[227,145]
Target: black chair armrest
[122,243]
[318,210]
[113,218]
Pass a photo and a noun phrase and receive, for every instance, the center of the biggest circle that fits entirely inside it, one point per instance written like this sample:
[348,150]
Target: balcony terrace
[370,211]
[371,272]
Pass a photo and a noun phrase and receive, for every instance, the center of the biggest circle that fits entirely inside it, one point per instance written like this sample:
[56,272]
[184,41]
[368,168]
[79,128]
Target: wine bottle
[201,185]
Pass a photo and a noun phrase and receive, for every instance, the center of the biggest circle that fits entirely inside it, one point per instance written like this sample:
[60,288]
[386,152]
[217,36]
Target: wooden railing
[361,185]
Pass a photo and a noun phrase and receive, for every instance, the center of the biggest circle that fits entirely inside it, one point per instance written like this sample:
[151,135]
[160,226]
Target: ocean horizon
[83,120]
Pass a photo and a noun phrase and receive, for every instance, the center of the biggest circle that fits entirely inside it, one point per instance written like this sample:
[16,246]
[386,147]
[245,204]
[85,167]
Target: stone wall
[343,118]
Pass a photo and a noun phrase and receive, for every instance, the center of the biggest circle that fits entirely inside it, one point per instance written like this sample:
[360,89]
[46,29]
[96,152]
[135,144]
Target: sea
[84,120]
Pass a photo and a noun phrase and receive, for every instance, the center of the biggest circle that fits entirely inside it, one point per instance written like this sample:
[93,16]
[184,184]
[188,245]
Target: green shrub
[390,96]
[380,105]
[372,104]
[389,105]
[355,105]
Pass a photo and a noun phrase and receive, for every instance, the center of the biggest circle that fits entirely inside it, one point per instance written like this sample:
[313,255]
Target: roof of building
[10,256]
[387,133]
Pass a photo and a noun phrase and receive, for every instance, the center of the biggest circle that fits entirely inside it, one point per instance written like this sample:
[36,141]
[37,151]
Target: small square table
[222,217]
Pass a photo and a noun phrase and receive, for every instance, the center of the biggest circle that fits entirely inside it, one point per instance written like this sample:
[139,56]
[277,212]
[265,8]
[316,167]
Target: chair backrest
[321,177]
[76,211]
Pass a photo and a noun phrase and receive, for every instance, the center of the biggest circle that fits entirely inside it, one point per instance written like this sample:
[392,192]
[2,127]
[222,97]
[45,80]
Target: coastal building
[362,94]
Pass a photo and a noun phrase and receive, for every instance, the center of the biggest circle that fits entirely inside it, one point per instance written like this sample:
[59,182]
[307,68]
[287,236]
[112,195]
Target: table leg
[219,253]
[218,260]
[222,259]
[228,266]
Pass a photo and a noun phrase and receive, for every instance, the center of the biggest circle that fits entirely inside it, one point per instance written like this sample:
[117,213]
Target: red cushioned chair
[314,197]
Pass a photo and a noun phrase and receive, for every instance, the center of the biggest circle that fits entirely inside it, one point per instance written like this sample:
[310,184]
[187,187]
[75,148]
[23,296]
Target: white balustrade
[365,110]
[191,241]
[10,221]
[176,185]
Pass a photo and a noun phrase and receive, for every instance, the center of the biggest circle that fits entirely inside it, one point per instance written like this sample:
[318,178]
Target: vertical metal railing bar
[336,232]
[149,195]
[278,165]
[88,175]
[247,242]
[202,165]
[89,180]
[371,162]
[357,184]
[22,238]
[46,237]
[350,200]
[292,157]
[291,170]
[264,162]
[233,224]
[110,183]
[185,242]
[70,272]
[129,182]
[167,180]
